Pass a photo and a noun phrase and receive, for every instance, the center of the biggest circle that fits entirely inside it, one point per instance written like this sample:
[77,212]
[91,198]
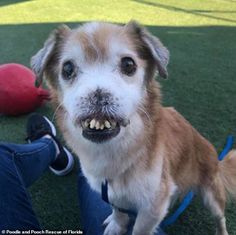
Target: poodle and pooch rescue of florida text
[42,231]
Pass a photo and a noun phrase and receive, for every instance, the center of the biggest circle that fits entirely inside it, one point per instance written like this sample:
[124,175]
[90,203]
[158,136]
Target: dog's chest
[132,193]
[119,195]
[131,184]
[123,197]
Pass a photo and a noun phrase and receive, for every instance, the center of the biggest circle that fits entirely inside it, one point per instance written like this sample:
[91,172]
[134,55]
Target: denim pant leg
[20,166]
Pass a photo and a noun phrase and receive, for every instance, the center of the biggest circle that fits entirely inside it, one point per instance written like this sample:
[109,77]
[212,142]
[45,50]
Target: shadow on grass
[201,86]
[193,12]
[11,2]
[233,1]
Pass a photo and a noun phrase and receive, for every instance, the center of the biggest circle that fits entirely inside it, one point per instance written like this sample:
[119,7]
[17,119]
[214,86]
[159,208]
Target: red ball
[18,94]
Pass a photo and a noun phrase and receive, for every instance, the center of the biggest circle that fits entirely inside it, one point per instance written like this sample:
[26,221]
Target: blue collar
[104,189]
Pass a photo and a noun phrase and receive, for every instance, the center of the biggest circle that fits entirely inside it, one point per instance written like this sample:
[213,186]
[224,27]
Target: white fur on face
[112,156]
[127,92]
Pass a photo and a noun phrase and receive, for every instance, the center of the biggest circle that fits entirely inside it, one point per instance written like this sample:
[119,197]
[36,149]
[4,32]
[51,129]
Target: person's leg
[94,210]
[31,160]
[21,165]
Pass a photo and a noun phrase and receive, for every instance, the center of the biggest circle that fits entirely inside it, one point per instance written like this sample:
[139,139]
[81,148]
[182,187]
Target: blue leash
[227,148]
[188,198]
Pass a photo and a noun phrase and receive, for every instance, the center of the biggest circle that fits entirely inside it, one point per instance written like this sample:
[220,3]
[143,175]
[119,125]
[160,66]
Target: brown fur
[228,172]
[50,68]
[190,161]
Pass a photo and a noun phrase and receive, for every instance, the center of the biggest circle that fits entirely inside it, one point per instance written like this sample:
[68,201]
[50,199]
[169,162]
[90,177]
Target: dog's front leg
[116,223]
[148,220]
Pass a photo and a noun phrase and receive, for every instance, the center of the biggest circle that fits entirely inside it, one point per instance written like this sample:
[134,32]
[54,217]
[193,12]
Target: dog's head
[101,72]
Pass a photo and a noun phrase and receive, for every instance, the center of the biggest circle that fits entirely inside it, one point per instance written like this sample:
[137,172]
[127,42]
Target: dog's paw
[112,227]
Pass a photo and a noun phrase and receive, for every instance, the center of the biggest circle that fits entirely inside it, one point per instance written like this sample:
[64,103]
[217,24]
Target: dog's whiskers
[64,121]
[142,110]
[56,110]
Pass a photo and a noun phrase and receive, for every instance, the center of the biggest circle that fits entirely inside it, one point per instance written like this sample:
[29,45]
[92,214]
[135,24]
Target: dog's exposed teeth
[107,124]
[103,124]
[86,123]
[99,130]
[99,125]
[113,124]
[92,123]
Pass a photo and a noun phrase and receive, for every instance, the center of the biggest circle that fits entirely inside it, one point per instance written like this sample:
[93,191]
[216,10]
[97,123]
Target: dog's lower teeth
[107,124]
[86,123]
[97,125]
[92,124]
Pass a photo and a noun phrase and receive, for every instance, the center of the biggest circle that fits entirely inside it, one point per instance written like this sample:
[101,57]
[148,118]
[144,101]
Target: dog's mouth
[101,130]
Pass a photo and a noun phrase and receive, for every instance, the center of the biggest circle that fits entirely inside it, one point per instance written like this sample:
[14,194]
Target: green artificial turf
[201,37]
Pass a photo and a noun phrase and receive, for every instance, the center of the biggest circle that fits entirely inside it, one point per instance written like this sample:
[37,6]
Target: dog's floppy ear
[159,52]
[41,59]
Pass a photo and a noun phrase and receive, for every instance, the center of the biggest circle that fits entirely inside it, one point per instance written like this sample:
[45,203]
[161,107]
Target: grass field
[201,37]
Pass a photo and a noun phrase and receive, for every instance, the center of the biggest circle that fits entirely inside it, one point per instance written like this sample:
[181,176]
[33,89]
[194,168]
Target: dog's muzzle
[99,131]
[101,123]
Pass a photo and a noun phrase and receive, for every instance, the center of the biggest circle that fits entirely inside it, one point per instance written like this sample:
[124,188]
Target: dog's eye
[128,66]
[68,70]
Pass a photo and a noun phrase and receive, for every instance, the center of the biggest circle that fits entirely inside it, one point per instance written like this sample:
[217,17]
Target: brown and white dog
[109,109]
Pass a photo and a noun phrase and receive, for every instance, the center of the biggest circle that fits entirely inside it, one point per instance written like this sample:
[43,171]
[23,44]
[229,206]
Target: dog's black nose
[100,97]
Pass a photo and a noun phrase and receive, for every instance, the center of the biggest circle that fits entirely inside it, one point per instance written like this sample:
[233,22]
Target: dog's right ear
[41,59]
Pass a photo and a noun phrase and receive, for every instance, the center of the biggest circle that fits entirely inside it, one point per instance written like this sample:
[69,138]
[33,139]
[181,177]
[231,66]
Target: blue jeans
[20,166]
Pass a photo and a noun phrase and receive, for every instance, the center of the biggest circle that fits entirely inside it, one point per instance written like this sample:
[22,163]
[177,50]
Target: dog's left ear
[159,52]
